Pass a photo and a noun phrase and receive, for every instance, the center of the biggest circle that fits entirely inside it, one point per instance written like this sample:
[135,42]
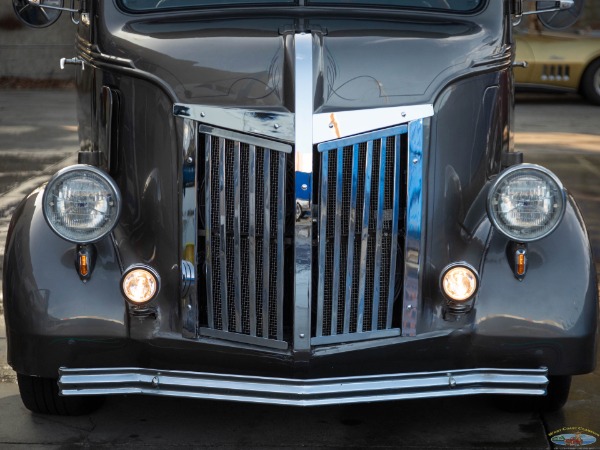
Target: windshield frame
[125,5]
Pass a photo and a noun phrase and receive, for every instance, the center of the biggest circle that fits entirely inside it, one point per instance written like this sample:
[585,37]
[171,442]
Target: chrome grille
[245,179]
[360,209]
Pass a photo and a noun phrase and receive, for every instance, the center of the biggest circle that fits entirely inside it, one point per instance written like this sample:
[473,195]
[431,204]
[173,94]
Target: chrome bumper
[312,392]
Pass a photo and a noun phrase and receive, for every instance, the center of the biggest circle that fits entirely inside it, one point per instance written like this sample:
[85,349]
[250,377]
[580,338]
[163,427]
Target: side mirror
[553,14]
[562,18]
[43,13]
[38,14]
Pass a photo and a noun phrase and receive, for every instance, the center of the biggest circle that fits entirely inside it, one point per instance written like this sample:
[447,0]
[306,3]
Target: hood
[359,63]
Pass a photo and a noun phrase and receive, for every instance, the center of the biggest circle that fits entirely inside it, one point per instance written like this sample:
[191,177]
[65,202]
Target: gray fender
[46,302]
[555,306]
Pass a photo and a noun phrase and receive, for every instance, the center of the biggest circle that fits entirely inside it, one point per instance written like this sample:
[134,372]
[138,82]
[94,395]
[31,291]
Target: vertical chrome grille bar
[337,241]
[266,243]
[223,234]
[414,224]
[252,237]
[395,214]
[351,235]
[322,241]
[237,231]
[208,224]
[280,234]
[364,239]
[379,235]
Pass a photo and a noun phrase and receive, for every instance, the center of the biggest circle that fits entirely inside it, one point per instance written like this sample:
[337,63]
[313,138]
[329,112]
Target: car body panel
[369,63]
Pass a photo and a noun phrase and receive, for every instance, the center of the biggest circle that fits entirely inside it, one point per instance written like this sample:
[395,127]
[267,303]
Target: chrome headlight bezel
[91,174]
[554,217]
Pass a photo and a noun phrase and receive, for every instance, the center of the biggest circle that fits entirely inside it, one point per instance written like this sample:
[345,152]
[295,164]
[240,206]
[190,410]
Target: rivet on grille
[276,126]
[202,114]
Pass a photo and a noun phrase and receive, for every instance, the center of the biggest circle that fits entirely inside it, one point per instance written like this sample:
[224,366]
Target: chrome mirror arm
[559,5]
[72,9]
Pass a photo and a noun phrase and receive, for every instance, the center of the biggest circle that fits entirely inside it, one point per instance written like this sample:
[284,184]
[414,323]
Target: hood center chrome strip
[304,107]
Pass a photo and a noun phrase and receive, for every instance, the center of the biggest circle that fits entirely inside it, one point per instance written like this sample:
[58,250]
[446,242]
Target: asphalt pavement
[38,135]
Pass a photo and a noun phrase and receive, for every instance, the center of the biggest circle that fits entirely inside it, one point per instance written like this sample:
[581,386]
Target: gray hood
[359,63]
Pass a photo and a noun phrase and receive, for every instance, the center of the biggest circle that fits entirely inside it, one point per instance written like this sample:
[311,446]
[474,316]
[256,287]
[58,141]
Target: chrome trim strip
[252,237]
[223,235]
[266,241]
[355,337]
[189,229]
[322,240]
[281,125]
[338,125]
[335,293]
[280,242]
[208,227]
[395,213]
[273,124]
[237,238]
[351,237]
[243,338]
[304,108]
[379,234]
[414,214]
[364,239]
[247,139]
[311,392]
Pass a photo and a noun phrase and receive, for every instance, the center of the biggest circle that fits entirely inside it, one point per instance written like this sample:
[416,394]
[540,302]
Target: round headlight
[140,284]
[81,204]
[526,203]
[459,282]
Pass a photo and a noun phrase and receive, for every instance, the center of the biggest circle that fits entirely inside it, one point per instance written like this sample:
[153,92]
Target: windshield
[445,5]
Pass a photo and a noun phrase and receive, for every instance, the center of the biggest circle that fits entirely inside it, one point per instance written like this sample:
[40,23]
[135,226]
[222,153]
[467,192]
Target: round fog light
[459,282]
[140,284]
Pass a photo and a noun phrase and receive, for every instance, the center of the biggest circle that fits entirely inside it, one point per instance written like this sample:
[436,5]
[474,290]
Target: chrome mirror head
[553,14]
[558,19]
[38,13]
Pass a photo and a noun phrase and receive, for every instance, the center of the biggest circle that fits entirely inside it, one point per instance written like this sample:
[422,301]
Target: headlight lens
[526,203]
[459,282]
[140,284]
[81,204]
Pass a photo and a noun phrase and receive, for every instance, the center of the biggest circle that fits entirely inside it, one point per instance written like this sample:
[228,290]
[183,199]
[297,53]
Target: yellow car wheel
[590,82]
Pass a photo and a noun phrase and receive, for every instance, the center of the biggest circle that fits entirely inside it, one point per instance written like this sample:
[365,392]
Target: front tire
[40,395]
[590,83]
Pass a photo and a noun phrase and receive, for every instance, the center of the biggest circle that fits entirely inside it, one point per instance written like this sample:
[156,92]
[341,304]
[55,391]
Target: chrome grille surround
[244,201]
[361,205]
[300,334]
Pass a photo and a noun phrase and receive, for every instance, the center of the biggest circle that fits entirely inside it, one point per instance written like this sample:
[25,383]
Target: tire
[590,83]
[556,397]
[299,212]
[40,395]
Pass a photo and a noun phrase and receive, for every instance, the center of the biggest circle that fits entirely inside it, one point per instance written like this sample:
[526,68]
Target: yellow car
[564,61]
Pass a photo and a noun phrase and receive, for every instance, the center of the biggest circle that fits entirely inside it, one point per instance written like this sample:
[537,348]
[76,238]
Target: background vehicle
[560,60]
[169,261]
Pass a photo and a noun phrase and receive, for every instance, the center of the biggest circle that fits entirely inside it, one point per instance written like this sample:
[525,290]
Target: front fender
[44,296]
[557,301]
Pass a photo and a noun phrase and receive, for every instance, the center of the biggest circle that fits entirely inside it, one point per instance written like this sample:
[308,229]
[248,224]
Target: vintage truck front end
[430,262]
